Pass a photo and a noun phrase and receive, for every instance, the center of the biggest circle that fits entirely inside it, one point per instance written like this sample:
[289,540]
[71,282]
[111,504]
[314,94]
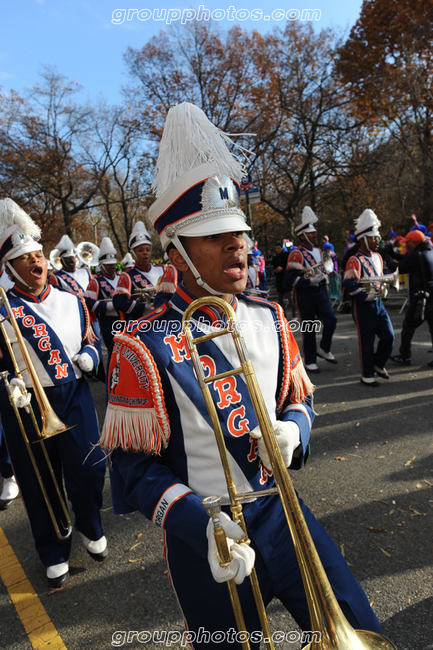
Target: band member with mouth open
[58,336]
[165,457]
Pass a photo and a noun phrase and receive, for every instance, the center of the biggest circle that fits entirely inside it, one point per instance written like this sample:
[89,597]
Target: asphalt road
[369,481]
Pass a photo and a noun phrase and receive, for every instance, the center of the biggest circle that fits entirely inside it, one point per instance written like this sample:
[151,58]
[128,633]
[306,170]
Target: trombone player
[56,334]
[165,458]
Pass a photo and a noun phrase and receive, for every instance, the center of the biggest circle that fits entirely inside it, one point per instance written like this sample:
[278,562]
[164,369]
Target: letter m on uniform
[224,193]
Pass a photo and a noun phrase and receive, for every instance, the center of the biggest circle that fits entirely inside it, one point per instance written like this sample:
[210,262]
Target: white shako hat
[128,261]
[18,234]
[65,247]
[197,182]
[107,252]
[139,236]
[367,225]
[307,221]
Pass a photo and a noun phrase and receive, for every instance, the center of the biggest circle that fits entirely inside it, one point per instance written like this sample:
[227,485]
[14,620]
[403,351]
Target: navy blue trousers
[313,304]
[206,604]
[372,320]
[5,463]
[74,460]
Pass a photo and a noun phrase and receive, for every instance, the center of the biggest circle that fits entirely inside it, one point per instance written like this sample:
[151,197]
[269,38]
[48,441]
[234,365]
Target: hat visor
[215,226]
[302,231]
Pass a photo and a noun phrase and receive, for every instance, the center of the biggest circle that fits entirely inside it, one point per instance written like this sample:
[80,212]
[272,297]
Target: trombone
[51,424]
[325,613]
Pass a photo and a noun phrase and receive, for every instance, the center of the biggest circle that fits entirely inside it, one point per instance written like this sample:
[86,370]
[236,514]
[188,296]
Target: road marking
[40,630]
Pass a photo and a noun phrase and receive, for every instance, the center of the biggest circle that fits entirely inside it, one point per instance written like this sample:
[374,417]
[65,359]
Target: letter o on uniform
[28,321]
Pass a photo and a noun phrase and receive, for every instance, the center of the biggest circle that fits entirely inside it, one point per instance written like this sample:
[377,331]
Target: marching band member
[128,261]
[309,293]
[368,310]
[55,325]
[69,276]
[165,457]
[99,293]
[144,275]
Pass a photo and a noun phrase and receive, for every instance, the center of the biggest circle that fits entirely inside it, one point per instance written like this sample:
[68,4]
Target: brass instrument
[88,253]
[51,424]
[143,295]
[391,279]
[55,259]
[325,613]
[325,266]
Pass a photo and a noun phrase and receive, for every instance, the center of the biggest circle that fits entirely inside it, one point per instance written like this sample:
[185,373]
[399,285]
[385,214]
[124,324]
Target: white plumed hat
[128,261]
[197,179]
[18,232]
[367,225]
[307,221]
[107,252]
[66,247]
[139,235]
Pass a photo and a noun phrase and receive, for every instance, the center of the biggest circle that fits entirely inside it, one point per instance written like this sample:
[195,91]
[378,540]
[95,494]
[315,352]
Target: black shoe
[98,557]
[59,581]
[400,360]
[430,364]
[373,384]
[5,503]
[382,372]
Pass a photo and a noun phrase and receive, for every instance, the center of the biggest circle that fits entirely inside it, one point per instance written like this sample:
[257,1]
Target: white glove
[317,279]
[242,555]
[372,295]
[84,361]
[110,309]
[18,386]
[288,438]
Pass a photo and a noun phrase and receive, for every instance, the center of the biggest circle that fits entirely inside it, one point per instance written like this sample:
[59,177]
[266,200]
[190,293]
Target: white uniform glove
[17,386]
[317,279]
[242,555]
[110,309]
[84,361]
[372,295]
[288,438]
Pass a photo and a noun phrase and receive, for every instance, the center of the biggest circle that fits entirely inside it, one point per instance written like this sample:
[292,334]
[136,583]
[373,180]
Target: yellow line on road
[40,630]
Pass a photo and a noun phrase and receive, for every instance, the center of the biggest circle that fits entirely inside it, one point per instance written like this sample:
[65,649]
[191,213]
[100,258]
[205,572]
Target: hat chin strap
[17,276]
[308,240]
[201,283]
[366,243]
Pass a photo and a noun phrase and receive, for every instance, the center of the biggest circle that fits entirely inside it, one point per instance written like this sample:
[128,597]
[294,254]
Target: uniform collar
[30,297]
[182,298]
[141,268]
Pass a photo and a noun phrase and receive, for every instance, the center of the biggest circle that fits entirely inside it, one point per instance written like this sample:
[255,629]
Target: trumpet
[325,613]
[325,266]
[391,279]
[143,295]
[51,424]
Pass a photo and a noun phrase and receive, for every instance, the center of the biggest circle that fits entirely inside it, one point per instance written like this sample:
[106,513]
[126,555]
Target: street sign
[246,182]
[253,195]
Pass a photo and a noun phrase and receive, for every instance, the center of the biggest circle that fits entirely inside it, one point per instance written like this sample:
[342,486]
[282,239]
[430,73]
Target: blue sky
[81,40]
